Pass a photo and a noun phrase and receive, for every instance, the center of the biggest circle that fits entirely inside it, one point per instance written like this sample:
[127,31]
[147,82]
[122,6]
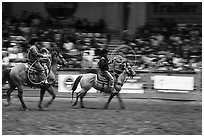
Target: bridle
[55,55]
[128,69]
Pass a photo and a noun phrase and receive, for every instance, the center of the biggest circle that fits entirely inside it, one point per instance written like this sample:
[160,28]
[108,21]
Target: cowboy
[104,53]
[44,61]
[103,66]
[34,55]
[119,63]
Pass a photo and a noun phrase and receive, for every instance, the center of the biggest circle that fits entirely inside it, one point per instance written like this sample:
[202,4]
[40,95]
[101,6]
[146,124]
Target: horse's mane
[53,54]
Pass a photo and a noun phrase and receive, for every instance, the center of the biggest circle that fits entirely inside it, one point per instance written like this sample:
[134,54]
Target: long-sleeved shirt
[103,64]
[34,54]
[118,63]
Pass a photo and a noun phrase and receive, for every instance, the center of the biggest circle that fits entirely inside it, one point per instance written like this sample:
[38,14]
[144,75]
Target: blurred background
[164,35]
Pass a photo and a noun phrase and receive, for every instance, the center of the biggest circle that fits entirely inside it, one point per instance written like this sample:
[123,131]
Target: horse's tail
[5,75]
[76,82]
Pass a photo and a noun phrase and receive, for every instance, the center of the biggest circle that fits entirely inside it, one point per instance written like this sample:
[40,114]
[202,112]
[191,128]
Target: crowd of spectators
[163,45]
[72,37]
[166,45]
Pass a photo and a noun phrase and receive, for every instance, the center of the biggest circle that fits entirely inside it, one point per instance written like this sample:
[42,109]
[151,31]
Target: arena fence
[146,84]
[146,81]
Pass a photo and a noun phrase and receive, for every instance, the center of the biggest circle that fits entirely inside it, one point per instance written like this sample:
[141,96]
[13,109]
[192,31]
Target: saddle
[102,83]
[101,79]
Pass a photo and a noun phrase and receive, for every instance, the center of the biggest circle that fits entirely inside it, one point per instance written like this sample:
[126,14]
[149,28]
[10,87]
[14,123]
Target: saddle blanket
[101,79]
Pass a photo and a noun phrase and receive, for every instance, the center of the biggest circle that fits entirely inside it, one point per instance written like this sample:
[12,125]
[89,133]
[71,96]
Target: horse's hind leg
[20,96]
[77,97]
[42,92]
[80,94]
[8,92]
[83,93]
[120,101]
[52,92]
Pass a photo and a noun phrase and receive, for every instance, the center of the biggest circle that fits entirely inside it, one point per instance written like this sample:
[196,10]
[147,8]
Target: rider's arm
[35,52]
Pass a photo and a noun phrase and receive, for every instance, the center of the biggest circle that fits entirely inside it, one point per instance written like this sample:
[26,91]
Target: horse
[17,76]
[89,80]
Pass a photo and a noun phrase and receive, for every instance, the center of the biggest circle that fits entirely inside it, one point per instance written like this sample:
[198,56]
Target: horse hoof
[25,109]
[106,107]
[43,109]
[40,108]
[47,106]
[74,104]
[6,104]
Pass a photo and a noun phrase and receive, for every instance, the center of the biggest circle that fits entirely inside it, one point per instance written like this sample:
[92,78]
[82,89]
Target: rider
[44,61]
[35,55]
[103,66]
[119,63]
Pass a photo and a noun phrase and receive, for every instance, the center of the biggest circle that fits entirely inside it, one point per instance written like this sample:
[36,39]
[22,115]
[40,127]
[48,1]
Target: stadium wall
[119,15]
[112,12]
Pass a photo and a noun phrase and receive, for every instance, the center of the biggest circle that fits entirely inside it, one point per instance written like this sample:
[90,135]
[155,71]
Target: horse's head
[57,57]
[129,70]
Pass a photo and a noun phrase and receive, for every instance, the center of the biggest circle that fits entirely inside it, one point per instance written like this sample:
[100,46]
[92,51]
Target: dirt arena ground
[141,117]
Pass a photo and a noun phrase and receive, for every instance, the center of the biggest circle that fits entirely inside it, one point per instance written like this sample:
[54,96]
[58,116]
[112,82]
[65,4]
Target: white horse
[89,80]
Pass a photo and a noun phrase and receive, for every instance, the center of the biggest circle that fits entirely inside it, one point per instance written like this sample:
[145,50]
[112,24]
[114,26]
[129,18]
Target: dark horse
[17,76]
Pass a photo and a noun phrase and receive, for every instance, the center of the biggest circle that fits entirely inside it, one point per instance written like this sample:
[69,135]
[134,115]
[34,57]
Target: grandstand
[167,43]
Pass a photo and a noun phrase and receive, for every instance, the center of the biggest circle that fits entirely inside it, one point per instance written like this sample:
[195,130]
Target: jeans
[109,77]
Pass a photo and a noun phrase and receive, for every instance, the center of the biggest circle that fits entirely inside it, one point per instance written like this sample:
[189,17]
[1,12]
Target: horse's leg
[52,92]
[20,96]
[120,101]
[83,93]
[109,100]
[8,92]
[42,92]
[77,97]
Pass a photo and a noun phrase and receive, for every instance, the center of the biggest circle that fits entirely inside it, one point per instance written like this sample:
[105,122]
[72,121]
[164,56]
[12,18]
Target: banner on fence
[173,82]
[65,82]
[132,86]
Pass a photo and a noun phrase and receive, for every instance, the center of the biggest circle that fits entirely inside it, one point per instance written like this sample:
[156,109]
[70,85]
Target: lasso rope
[115,52]
[29,71]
